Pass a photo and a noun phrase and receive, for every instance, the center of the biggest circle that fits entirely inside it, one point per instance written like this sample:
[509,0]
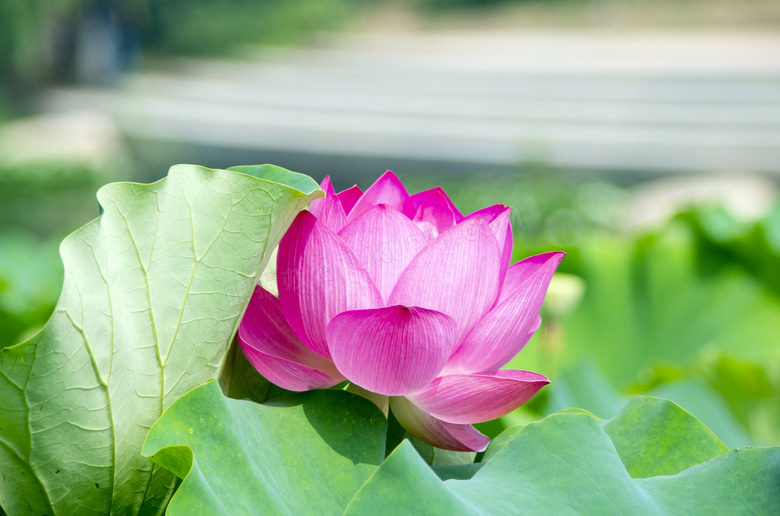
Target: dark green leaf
[239,380]
[462,472]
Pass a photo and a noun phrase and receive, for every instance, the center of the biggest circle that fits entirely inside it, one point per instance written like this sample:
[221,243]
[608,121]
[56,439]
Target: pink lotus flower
[409,300]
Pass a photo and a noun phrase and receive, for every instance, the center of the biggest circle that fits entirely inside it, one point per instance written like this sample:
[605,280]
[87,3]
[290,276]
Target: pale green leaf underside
[152,295]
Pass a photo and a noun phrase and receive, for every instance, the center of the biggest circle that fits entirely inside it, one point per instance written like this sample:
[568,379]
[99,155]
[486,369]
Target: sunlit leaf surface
[320,453]
[152,295]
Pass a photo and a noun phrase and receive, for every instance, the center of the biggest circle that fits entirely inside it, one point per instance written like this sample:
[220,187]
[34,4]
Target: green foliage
[567,464]
[755,247]
[39,37]
[709,407]
[40,202]
[300,455]
[750,389]
[47,198]
[652,302]
[152,296]
[655,438]
[688,311]
[30,276]
[447,5]
[721,400]
[583,386]
[209,28]
[20,39]
[660,298]
[324,451]
[549,208]
[153,293]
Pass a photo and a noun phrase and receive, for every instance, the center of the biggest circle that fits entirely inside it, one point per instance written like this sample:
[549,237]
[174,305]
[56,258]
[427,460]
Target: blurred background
[642,137]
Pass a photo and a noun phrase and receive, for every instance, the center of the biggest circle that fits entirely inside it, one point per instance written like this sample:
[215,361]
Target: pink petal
[419,199]
[456,274]
[317,204]
[429,231]
[385,241]
[435,431]
[503,332]
[319,277]
[273,348]
[475,398]
[327,186]
[534,326]
[437,209]
[499,218]
[349,197]
[392,350]
[386,190]
[488,214]
[527,268]
[329,210]
[502,228]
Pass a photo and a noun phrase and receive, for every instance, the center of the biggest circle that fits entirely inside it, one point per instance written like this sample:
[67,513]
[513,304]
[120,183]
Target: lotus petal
[503,332]
[436,209]
[489,213]
[318,277]
[502,228]
[386,190]
[526,268]
[419,199]
[273,348]
[385,241]
[456,274]
[392,350]
[499,218]
[329,210]
[349,197]
[429,231]
[479,397]
[436,432]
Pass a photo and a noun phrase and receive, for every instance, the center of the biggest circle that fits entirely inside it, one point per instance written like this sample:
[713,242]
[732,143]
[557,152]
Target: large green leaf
[240,380]
[584,387]
[652,437]
[568,464]
[305,454]
[656,437]
[152,296]
[309,453]
[709,407]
